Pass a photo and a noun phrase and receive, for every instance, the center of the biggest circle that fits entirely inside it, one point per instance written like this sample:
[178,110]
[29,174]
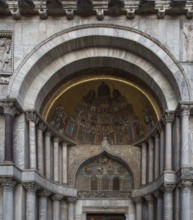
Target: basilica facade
[96,110]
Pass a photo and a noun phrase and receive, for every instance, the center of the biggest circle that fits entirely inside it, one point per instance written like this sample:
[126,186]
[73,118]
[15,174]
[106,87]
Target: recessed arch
[116,40]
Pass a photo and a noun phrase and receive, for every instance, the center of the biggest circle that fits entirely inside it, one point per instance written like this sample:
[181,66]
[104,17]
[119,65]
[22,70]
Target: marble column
[169,118]
[56,159]
[8,185]
[161,152]
[138,208]
[168,201]
[156,160]
[71,208]
[56,206]
[159,198]
[64,162]
[32,119]
[144,163]
[64,210]
[150,199]
[186,200]
[150,160]
[43,204]
[48,154]
[31,189]
[185,159]
[40,146]
[9,112]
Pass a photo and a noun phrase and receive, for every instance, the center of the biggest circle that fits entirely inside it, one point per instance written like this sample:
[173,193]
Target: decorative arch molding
[130,165]
[98,36]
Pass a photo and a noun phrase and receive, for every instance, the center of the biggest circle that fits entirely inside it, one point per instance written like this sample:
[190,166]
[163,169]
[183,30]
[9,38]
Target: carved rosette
[31,187]
[8,183]
[168,188]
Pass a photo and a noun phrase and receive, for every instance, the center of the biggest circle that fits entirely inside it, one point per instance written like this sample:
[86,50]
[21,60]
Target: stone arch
[129,165]
[62,50]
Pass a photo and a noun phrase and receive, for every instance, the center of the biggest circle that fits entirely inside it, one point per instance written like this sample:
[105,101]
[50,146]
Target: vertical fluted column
[169,118]
[71,208]
[159,197]
[43,204]
[185,200]
[156,160]
[64,163]
[56,206]
[150,160]
[168,201]
[138,208]
[32,119]
[144,163]
[56,159]
[31,189]
[48,154]
[9,113]
[150,199]
[40,146]
[185,160]
[161,145]
[8,185]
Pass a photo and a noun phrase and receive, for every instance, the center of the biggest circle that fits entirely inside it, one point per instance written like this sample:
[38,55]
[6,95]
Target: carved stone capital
[184,111]
[57,197]
[161,13]
[168,117]
[44,193]
[56,139]
[41,126]
[9,108]
[149,198]
[64,144]
[138,200]
[32,116]
[31,187]
[158,194]
[8,183]
[71,199]
[43,13]
[189,13]
[100,14]
[185,185]
[167,188]
[15,12]
[69,14]
[130,13]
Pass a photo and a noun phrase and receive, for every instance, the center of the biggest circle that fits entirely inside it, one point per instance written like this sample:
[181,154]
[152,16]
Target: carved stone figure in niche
[88,169]
[5,54]
[99,116]
[148,118]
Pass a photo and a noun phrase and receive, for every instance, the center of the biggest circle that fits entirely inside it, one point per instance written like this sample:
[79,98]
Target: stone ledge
[32,176]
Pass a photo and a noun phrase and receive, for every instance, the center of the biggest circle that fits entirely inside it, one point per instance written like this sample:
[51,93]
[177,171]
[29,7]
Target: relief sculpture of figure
[5,54]
[148,118]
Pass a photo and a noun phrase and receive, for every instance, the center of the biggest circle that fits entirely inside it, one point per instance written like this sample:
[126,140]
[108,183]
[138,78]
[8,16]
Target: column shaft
[185,200]
[64,163]
[159,208]
[185,161]
[43,203]
[156,161]
[31,205]
[150,210]
[40,151]
[71,208]
[56,159]
[139,210]
[168,206]
[150,160]
[32,144]
[48,155]
[144,164]
[162,151]
[56,209]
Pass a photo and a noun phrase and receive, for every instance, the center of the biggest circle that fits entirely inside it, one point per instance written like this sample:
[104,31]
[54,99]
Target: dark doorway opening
[106,217]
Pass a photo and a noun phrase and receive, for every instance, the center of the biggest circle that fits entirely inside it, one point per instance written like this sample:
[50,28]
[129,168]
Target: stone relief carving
[5,53]
[188,41]
[103,194]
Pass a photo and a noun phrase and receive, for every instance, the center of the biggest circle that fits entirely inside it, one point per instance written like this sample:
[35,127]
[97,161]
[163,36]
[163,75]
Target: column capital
[71,199]
[138,199]
[48,133]
[185,184]
[32,116]
[56,139]
[150,140]
[158,194]
[168,188]
[31,187]
[149,198]
[185,110]
[57,197]
[44,193]
[9,108]
[41,126]
[8,182]
[168,117]
[64,144]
